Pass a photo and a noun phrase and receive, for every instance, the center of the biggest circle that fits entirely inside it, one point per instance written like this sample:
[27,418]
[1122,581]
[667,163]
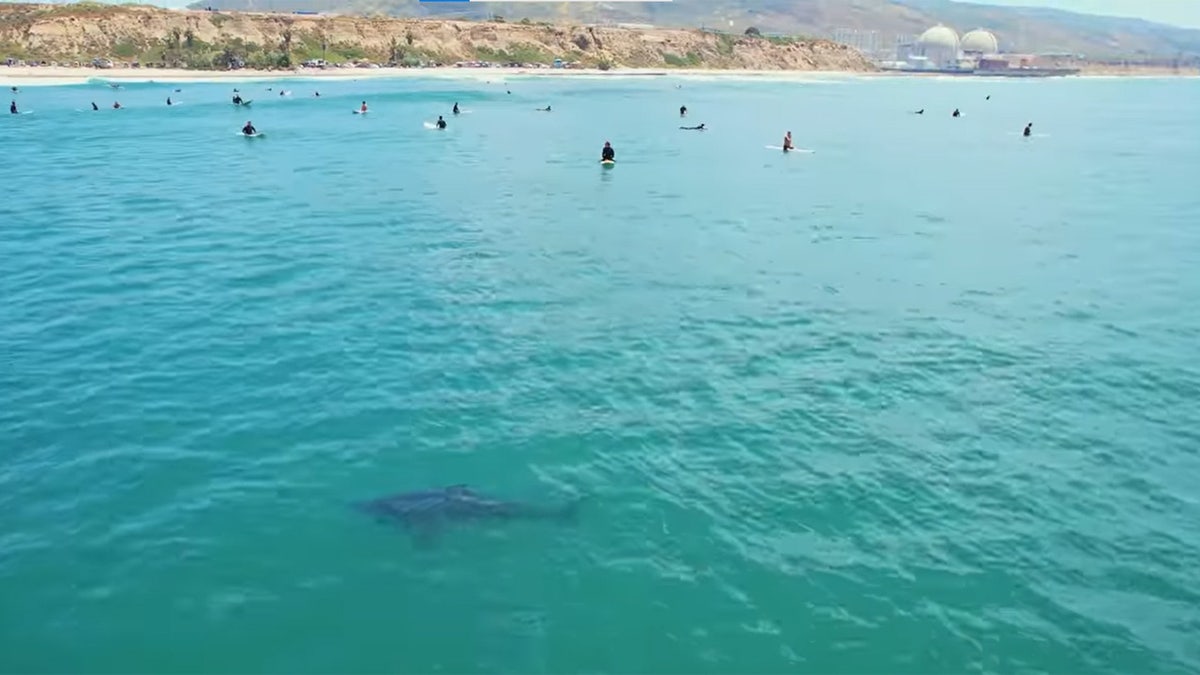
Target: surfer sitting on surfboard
[249,129]
[787,142]
[441,123]
[363,109]
[456,110]
[1028,130]
[12,107]
[608,154]
[237,99]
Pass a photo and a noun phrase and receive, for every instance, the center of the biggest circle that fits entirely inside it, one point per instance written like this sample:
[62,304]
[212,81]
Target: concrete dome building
[939,45]
[980,41]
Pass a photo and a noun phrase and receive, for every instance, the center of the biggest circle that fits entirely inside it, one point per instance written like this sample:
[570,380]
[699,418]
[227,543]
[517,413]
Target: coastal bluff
[206,40]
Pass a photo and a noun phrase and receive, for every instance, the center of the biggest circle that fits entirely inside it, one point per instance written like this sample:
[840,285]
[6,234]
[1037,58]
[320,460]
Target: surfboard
[800,150]
[254,135]
[244,104]
[361,112]
[607,163]
[25,112]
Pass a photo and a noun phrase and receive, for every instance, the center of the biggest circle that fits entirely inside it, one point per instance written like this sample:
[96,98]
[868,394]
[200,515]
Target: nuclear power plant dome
[939,46]
[939,37]
[980,41]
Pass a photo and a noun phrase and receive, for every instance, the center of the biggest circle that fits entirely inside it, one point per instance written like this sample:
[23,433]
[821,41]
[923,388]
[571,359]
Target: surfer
[956,113]
[317,94]
[168,100]
[608,154]
[920,112]
[787,142]
[683,111]
[12,108]
[94,106]
[456,110]
[441,123]
[237,98]
[116,105]
[546,109]
[989,97]
[695,128]
[249,129]
[363,109]
[1028,130]
[14,89]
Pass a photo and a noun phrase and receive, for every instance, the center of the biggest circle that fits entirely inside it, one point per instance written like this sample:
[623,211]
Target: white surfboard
[779,148]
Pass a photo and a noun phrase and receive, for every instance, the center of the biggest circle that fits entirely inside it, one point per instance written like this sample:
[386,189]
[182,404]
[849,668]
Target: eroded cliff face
[195,39]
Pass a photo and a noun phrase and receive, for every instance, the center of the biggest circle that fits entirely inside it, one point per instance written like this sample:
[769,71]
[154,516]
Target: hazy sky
[1179,12]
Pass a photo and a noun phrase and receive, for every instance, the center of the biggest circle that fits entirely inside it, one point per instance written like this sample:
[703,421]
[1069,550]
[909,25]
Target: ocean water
[926,400]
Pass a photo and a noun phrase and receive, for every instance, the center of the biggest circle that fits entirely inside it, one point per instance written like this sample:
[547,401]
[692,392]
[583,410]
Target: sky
[1177,12]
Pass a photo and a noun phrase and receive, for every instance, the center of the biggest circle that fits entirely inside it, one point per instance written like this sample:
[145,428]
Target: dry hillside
[199,39]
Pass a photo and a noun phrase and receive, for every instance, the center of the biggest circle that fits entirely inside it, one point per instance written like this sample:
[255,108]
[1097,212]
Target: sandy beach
[59,75]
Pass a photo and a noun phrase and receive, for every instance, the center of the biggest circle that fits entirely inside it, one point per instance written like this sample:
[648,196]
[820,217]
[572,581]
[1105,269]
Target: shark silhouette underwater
[426,513]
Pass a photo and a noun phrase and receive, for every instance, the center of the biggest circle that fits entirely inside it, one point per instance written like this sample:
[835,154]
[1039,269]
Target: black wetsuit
[249,130]
[1028,131]
[95,107]
[441,123]
[955,113]
[237,100]
[12,107]
[455,108]
[682,110]
[608,154]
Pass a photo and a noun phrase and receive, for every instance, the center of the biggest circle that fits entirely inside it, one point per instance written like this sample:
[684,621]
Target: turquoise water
[926,400]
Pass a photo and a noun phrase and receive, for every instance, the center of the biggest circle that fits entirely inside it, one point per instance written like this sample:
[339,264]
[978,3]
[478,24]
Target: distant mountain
[1019,29]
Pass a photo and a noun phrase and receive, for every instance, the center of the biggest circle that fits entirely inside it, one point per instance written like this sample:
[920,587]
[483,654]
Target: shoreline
[68,76]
